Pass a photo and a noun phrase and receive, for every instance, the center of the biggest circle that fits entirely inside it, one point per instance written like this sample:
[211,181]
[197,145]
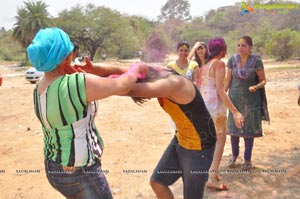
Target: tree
[8,50]
[291,20]
[176,9]
[173,28]
[224,20]
[283,44]
[262,35]
[197,30]
[98,28]
[142,27]
[231,41]
[30,19]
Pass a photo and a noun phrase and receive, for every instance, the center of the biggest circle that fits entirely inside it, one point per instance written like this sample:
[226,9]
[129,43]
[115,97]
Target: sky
[146,8]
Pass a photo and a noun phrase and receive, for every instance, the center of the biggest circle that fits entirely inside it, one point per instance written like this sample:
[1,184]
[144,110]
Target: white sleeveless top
[208,90]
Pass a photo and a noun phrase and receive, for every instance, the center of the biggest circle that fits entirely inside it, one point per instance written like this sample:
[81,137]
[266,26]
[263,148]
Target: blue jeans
[235,140]
[191,165]
[83,183]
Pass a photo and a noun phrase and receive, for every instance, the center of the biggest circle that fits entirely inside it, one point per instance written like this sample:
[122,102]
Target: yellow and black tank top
[195,127]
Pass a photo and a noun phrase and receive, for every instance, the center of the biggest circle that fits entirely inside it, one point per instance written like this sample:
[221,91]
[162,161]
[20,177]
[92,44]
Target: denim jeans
[191,165]
[83,183]
[235,140]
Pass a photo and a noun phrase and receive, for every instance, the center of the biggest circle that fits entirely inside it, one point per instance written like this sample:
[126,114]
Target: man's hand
[88,67]
[142,69]
[68,69]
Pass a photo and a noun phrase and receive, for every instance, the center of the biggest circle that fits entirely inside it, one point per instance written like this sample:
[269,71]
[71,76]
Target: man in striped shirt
[66,106]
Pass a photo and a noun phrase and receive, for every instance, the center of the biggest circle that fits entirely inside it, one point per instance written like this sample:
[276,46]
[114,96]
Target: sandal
[217,187]
[247,165]
[231,163]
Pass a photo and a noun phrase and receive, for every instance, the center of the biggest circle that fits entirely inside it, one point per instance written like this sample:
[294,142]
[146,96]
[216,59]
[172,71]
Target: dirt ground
[135,138]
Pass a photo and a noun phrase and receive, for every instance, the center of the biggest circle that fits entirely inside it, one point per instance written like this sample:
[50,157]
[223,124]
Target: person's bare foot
[218,177]
[214,183]
[216,186]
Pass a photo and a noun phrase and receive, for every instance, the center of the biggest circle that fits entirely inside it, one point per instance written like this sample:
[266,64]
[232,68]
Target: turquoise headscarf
[49,47]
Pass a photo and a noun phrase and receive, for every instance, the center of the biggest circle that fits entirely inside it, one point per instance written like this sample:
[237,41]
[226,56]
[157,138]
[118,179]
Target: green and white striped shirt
[70,135]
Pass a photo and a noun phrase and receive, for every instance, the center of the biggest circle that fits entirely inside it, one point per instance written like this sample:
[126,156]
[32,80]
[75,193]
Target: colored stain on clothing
[195,127]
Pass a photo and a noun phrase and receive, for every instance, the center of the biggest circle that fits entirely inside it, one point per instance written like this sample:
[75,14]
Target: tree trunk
[92,54]
[26,56]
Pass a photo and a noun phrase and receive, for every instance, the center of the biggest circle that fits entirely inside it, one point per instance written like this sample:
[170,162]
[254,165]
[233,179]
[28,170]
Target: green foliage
[9,50]
[30,19]
[231,41]
[197,30]
[141,28]
[261,36]
[25,63]
[97,28]
[6,56]
[283,44]
[259,25]
[100,29]
[293,21]
[176,9]
[123,45]
[173,28]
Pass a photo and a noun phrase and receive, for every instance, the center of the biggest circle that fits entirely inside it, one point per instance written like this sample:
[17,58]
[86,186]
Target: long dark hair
[197,58]
[154,73]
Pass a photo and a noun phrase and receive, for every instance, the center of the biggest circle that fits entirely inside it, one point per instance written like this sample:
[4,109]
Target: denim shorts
[83,183]
[191,165]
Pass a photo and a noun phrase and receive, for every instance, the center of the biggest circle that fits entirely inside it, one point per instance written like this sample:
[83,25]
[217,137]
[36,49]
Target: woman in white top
[216,100]
[199,54]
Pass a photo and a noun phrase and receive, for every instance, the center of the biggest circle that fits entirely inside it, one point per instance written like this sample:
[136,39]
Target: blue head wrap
[49,47]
